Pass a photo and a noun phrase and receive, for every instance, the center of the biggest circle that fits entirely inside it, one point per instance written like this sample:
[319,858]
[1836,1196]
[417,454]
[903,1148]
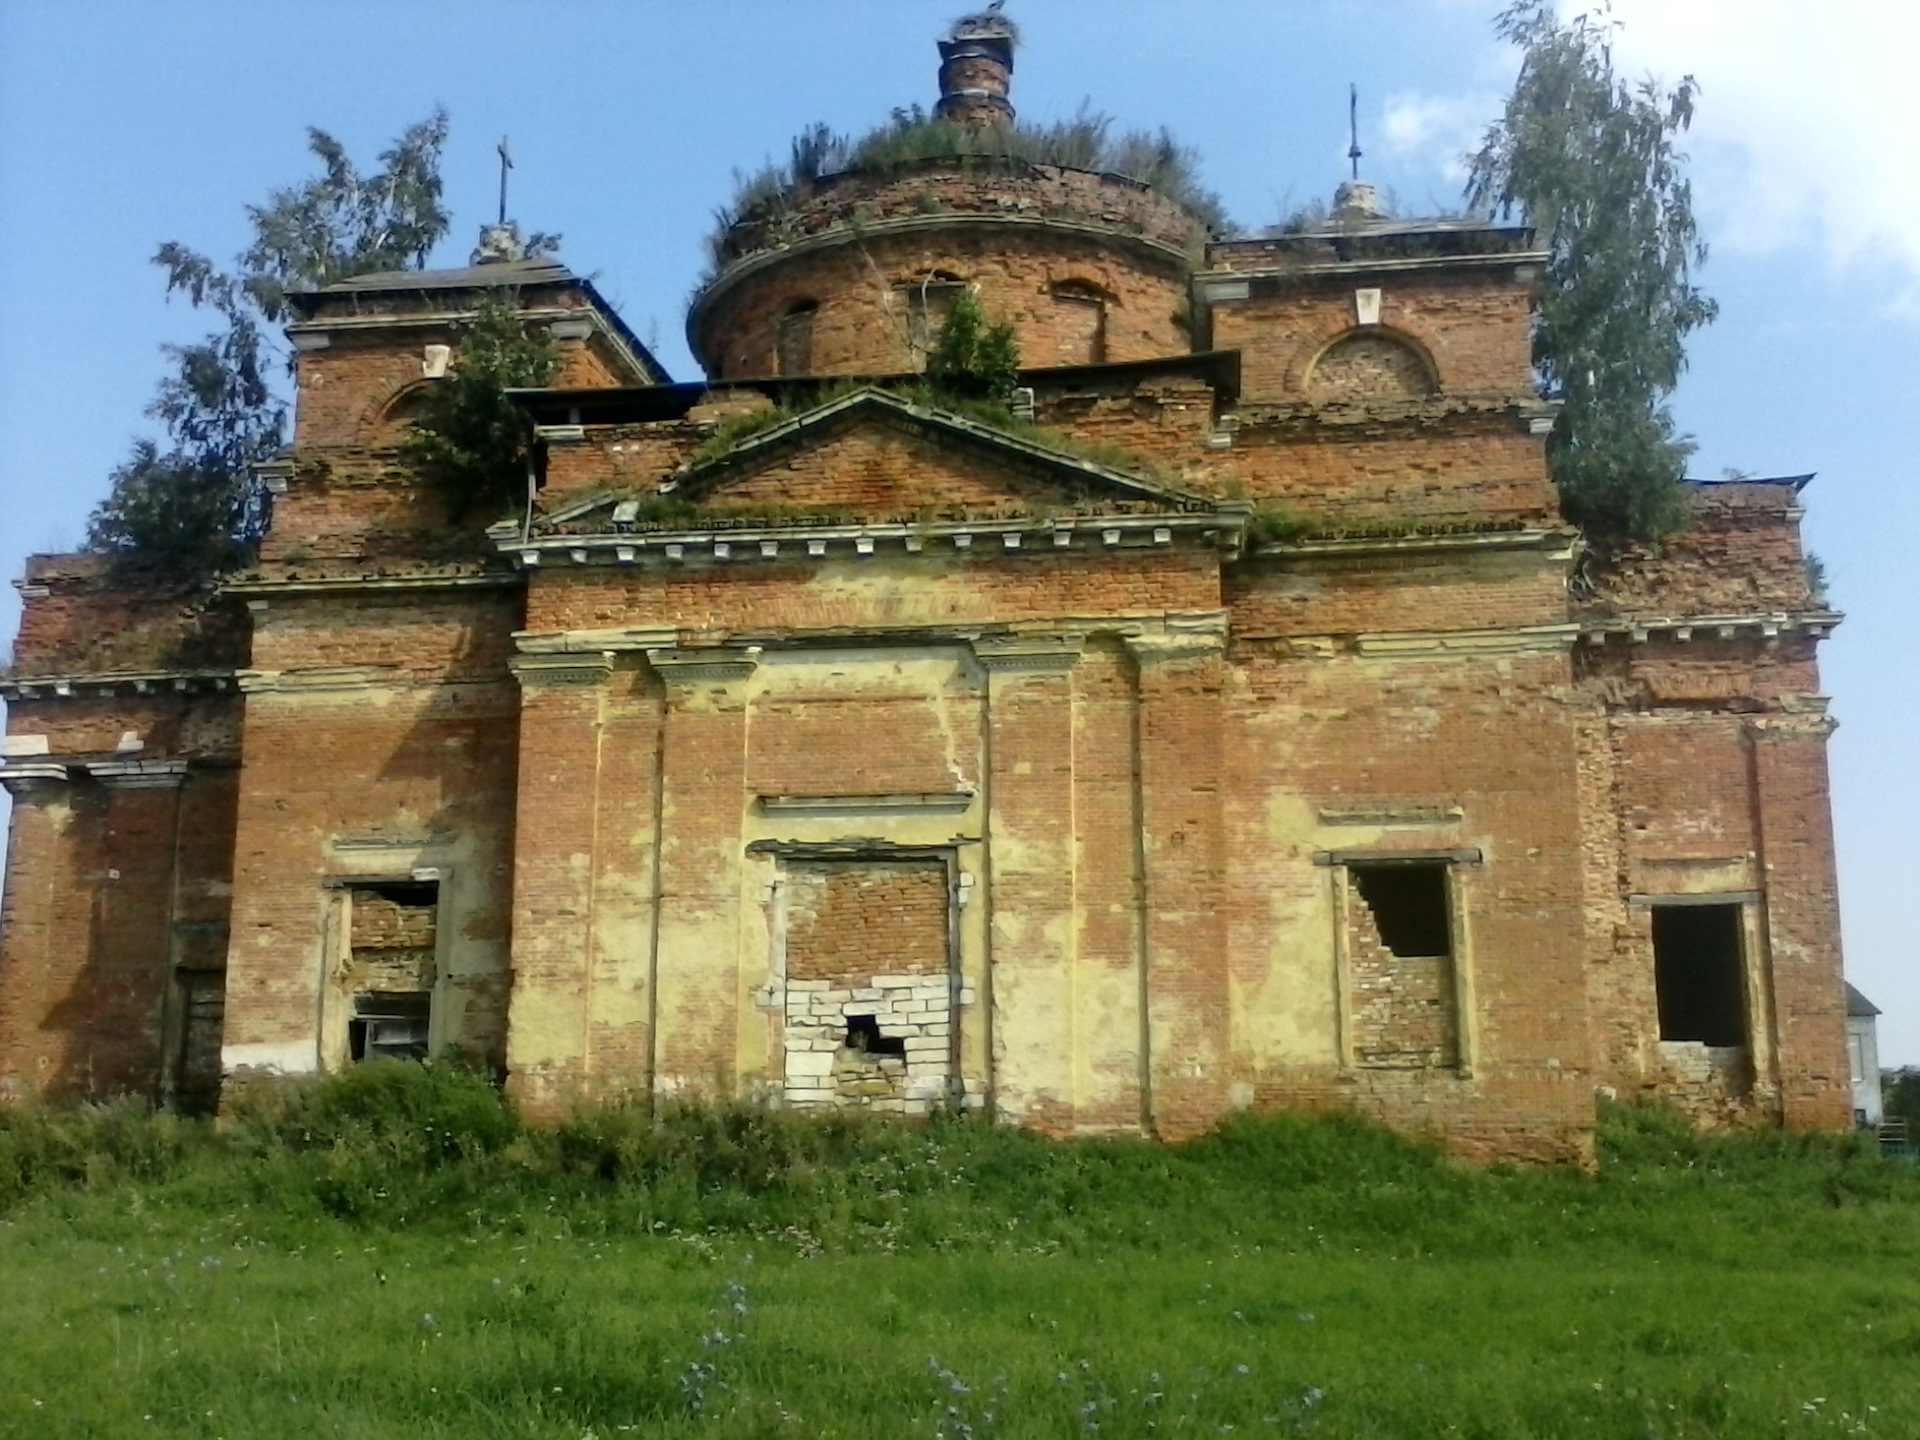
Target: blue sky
[125,124]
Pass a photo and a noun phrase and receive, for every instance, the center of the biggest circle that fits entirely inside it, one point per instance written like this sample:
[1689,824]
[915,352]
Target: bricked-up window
[795,339]
[1080,324]
[393,928]
[925,303]
[1401,964]
[1697,963]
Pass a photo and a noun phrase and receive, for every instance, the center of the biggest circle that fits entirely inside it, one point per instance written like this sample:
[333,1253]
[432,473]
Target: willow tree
[1587,157]
[192,504]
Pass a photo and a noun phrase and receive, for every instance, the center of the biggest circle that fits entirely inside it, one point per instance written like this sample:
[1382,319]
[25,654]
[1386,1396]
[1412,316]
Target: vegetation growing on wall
[468,439]
[1588,158]
[1088,141]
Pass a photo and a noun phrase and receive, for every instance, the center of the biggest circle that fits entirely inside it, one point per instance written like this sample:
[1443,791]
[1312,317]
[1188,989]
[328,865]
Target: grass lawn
[1285,1276]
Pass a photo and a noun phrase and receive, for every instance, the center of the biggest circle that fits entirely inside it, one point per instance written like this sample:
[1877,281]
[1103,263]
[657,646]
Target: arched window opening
[925,301]
[1370,366]
[793,339]
[1079,323]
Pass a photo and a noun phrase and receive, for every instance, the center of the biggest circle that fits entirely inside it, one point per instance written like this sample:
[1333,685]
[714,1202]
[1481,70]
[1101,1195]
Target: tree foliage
[1588,158]
[974,358]
[192,503]
[468,438]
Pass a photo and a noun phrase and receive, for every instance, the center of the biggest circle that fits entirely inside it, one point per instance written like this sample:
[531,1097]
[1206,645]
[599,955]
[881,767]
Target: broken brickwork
[1251,731]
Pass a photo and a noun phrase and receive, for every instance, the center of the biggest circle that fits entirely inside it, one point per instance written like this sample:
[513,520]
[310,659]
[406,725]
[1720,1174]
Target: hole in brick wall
[1697,973]
[1409,905]
[389,1026]
[863,1034]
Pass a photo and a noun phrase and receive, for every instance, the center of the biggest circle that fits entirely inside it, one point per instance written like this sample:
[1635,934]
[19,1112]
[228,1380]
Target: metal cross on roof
[1353,127]
[506,164]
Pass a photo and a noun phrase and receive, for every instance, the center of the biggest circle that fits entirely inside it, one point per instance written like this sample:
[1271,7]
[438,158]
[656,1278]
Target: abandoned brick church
[1240,725]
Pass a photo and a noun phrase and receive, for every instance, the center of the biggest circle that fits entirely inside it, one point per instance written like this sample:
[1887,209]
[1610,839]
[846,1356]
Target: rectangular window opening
[1697,973]
[1403,1010]
[1409,905]
[393,932]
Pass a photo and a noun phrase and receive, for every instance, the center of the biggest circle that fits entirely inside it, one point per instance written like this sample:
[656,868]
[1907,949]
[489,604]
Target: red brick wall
[847,922]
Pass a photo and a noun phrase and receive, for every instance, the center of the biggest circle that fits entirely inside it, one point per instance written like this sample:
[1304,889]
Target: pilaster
[1181,765]
[562,699]
[1030,876]
[700,994]
[1802,911]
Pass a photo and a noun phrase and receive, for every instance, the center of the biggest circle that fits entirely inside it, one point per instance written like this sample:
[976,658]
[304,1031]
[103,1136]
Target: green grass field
[392,1255]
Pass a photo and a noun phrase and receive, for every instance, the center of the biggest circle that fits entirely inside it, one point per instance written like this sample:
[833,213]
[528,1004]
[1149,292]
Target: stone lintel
[1465,855]
[570,668]
[837,804]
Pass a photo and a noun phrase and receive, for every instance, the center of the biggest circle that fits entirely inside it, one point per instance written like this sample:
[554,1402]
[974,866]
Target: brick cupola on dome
[976,69]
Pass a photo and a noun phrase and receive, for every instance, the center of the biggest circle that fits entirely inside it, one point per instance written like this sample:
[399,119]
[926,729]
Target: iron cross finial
[506,164]
[1353,127]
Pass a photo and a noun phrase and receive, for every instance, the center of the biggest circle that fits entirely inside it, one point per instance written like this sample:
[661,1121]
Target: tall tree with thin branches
[192,504]
[1587,157]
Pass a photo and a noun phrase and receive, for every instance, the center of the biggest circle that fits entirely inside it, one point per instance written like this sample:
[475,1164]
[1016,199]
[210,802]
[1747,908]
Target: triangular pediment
[874,456]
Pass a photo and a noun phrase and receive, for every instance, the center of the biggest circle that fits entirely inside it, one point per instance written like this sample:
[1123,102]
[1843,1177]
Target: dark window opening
[794,340]
[389,1026]
[863,1034]
[1409,905]
[1083,323]
[927,302]
[413,894]
[1697,973]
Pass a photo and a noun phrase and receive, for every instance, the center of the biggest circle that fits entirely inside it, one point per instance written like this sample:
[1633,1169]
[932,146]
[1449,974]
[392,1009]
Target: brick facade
[1253,733]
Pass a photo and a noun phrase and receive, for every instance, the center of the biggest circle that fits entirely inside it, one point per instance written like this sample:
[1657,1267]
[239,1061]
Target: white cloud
[1805,131]
[1437,131]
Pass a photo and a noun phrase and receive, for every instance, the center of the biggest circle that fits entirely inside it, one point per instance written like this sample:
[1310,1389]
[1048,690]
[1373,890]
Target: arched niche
[1370,364]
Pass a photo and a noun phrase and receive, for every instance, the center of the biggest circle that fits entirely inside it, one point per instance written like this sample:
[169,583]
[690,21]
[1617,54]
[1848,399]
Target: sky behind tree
[123,125]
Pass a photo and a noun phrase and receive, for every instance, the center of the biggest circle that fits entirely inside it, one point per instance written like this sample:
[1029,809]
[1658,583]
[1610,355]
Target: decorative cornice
[1764,625]
[572,668]
[138,774]
[371,584]
[22,777]
[320,680]
[1220,529]
[707,665]
[1515,640]
[1556,542]
[575,642]
[106,683]
[1791,726]
[1030,654]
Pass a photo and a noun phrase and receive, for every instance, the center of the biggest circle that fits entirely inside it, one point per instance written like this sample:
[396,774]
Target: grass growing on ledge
[392,1253]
